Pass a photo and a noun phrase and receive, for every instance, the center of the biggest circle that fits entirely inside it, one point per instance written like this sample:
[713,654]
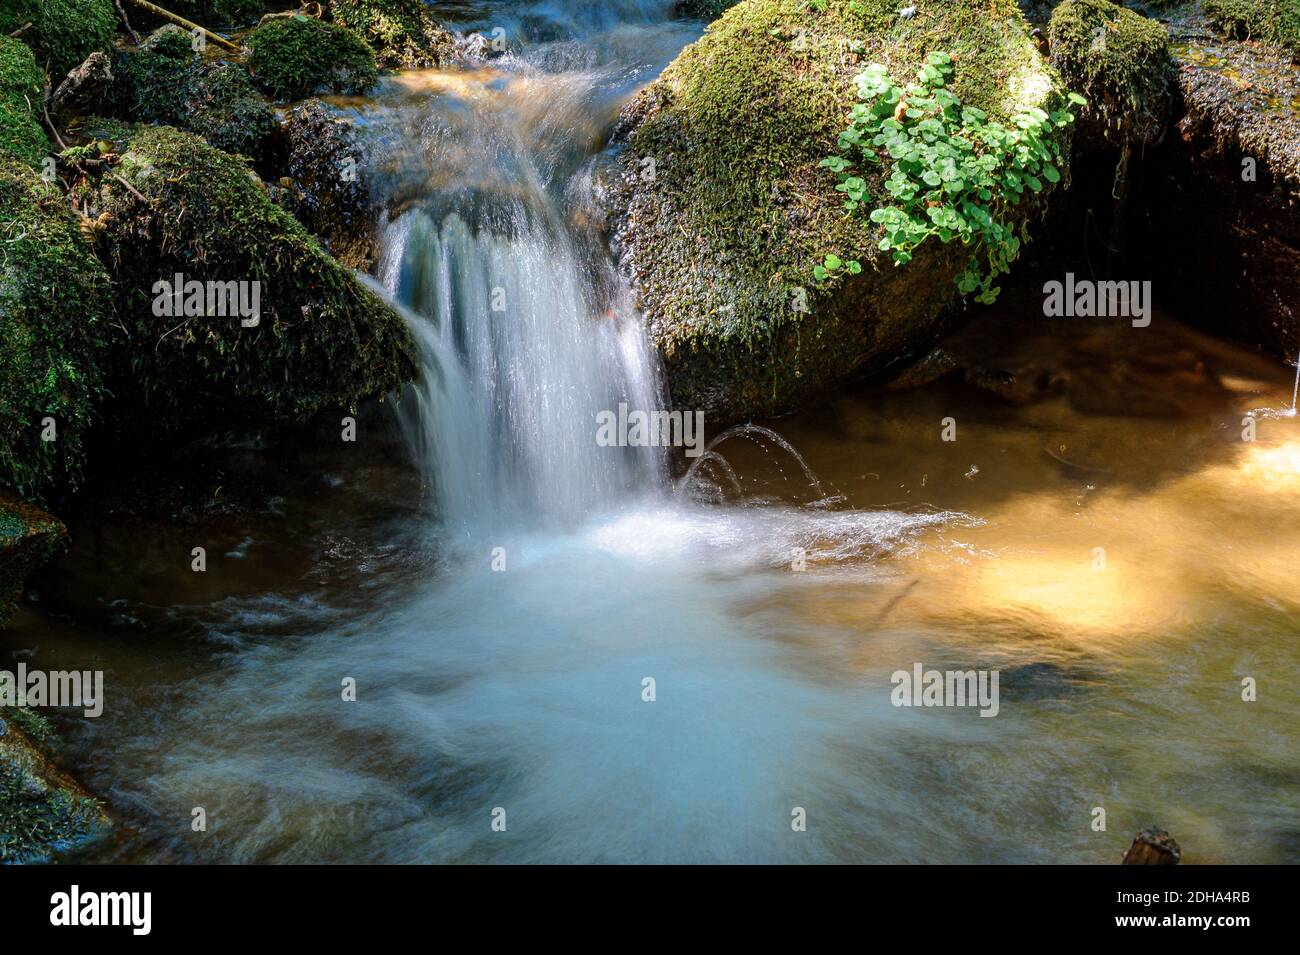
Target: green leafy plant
[953,171]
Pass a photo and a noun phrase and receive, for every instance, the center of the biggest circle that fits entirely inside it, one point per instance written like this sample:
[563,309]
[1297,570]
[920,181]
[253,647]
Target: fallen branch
[181,21]
[20,29]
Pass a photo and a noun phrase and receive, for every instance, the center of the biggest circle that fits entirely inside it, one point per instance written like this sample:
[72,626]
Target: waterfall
[519,354]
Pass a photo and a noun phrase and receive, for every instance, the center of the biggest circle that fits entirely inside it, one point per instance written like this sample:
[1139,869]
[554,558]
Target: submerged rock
[724,211]
[42,810]
[297,56]
[21,88]
[276,329]
[165,81]
[403,33]
[1120,62]
[55,309]
[62,32]
[326,160]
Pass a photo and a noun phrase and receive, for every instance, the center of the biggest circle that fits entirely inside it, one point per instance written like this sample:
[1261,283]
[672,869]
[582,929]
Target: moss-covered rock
[402,32]
[42,810]
[294,57]
[1273,21]
[223,13]
[55,306]
[62,32]
[723,210]
[320,339]
[165,81]
[1120,62]
[21,90]
[29,539]
[327,161]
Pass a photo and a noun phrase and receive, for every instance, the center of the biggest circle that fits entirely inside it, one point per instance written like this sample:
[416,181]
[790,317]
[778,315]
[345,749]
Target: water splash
[749,432]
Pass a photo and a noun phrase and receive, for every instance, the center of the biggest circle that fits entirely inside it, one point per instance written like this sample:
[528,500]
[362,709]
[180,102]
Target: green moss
[41,810]
[1274,21]
[323,341]
[224,13]
[402,32]
[165,81]
[62,32]
[1120,62]
[55,307]
[21,82]
[729,212]
[297,56]
[29,539]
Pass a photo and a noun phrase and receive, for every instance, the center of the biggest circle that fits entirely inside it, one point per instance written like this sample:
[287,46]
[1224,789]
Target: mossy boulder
[1273,21]
[327,161]
[21,91]
[62,32]
[55,309]
[723,211]
[165,81]
[295,57]
[1120,62]
[29,539]
[403,33]
[308,337]
[42,810]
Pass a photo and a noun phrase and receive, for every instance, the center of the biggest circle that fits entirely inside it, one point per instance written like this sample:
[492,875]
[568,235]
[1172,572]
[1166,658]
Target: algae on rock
[21,91]
[321,339]
[403,33]
[1120,62]
[723,211]
[62,32]
[297,56]
[55,309]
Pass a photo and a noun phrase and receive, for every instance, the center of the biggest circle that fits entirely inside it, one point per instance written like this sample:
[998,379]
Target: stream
[500,587]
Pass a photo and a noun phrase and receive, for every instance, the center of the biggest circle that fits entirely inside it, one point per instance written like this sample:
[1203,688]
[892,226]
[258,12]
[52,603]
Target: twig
[20,29]
[80,168]
[135,38]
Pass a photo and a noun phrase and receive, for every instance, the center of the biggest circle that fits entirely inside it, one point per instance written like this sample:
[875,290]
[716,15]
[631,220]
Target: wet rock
[330,194]
[403,33]
[165,81]
[55,314]
[1119,62]
[295,57]
[307,335]
[42,810]
[1153,846]
[1276,22]
[62,32]
[21,87]
[29,539]
[722,211]
[1225,222]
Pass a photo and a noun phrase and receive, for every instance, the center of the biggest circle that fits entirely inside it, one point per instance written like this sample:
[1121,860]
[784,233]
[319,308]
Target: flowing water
[501,588]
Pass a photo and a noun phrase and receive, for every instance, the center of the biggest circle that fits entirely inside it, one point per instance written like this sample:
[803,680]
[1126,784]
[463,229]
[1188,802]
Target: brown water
[1120,688]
